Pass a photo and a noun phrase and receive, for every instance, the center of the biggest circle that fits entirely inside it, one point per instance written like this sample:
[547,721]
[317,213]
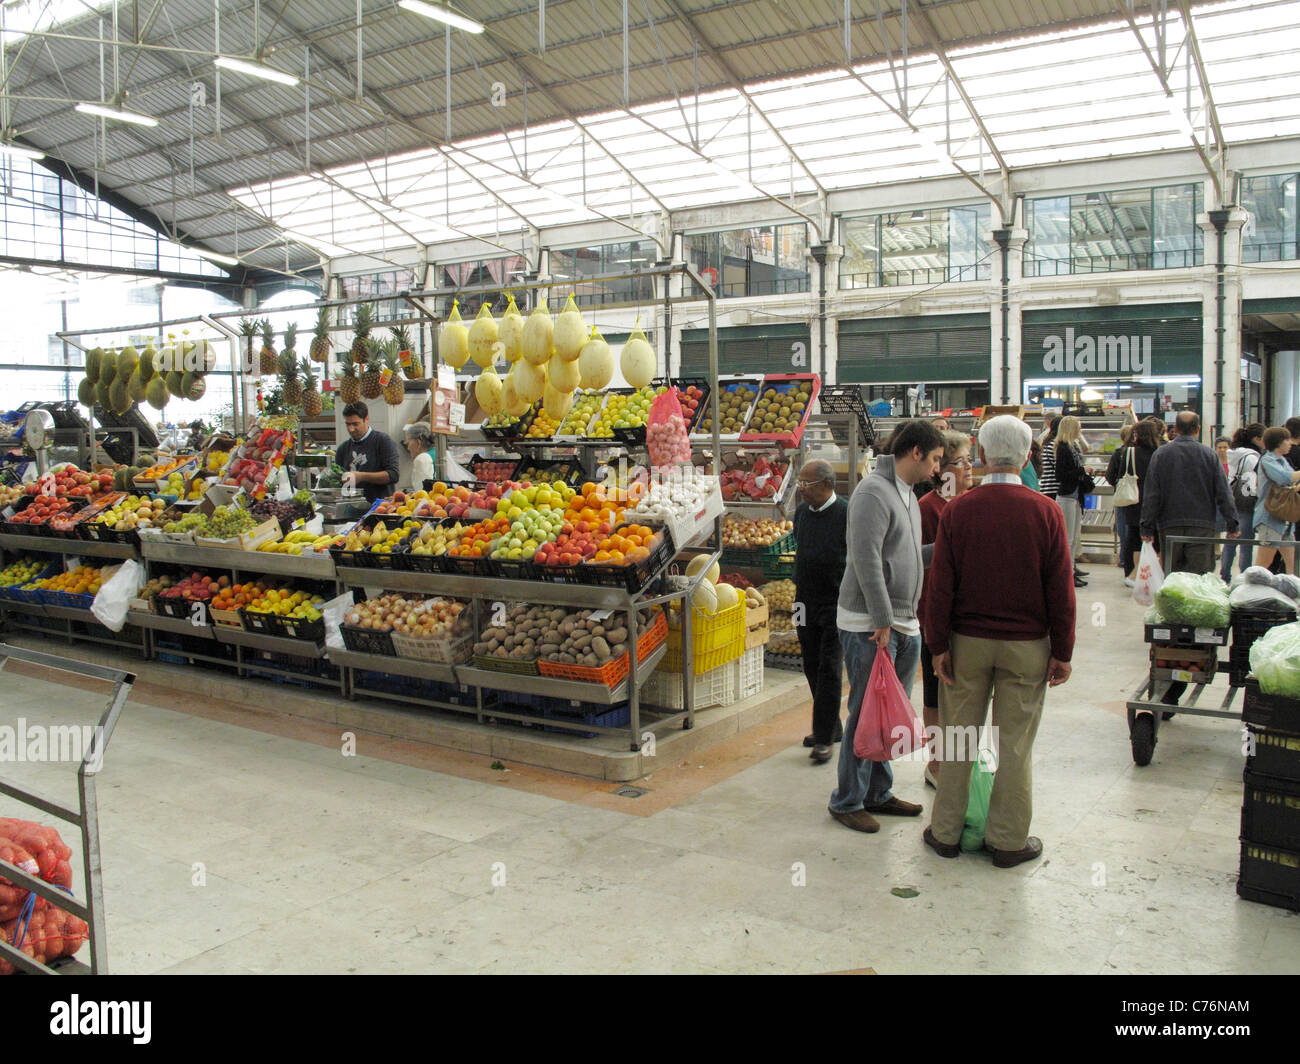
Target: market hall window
[1270,233]
[916,247]
[1102,232]
[378,288]
[762,260]
[570,266]
[503,271]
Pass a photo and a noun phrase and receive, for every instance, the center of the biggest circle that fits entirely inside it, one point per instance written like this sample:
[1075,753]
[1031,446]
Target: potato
[600,647]
[618,650]
[598,630]
[617,635]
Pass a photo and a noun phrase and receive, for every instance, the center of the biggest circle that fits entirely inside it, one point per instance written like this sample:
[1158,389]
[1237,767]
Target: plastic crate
[758,556]
[717,687]
[1275,712]
[1274,753]
[1270,875]
[284,627]
[784,383]
[789,662]
[748,669]
[613,673]
[226,618]
[1247,626]
[632,577]
[1270,811]
[725,386]
[612,717]
[367,641]
[175,607]
[715,640]
[847,399]
[513,568]
[508,665]
[1185,635]
[67,599]
[440,649]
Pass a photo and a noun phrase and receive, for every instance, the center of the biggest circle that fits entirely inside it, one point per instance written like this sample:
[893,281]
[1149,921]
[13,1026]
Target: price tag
[72,562]
[1161,633]
[601,615]
[1206,635]
[7,513]
[446,376]
[385,375]
[404,357]
[456,417]
[1183,675]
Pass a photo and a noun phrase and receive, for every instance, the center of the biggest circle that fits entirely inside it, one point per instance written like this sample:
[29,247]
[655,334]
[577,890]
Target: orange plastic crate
[613,673]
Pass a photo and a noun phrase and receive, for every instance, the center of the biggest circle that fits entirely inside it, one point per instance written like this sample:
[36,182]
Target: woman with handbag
[1243,482]
[1072,483]
[1279,503]
[1128,472]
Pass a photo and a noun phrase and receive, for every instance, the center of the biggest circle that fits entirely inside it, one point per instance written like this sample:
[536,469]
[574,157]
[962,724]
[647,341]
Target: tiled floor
[230,850]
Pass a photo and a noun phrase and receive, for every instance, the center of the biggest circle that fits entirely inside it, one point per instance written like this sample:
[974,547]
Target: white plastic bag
[1149,576]
[335,610]
[115,594]
[1260,596]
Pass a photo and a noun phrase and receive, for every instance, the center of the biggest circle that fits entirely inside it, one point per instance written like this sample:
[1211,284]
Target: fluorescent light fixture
[1180,118]
[20,153]
[1169,380]
[116,114]
[441,14]
[1055,382]
[257,70]
[215,256]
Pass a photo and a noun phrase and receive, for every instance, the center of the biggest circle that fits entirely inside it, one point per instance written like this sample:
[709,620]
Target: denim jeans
[868,782]
[1231,548]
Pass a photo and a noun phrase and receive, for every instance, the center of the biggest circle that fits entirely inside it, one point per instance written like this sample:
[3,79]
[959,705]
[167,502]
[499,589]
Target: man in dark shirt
[1293,430]
[368,457]
[820,526]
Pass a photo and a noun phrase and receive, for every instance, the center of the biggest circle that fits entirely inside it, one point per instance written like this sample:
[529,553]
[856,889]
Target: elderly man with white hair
[1000,616]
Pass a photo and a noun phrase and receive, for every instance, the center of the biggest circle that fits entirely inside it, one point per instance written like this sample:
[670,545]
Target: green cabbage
[1198,599]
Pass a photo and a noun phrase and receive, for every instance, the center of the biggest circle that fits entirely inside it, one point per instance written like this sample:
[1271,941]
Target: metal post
[1219,219]
[1003,239]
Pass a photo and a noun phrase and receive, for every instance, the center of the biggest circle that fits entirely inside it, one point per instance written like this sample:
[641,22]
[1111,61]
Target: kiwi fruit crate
[782,409]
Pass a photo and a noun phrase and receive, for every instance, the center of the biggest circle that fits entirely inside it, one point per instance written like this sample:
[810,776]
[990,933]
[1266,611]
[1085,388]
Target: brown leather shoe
[1011,858]
[895,807]
[859,820]
[821,754]
[943,849]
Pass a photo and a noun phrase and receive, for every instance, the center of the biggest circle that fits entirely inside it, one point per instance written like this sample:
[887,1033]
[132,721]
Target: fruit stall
[541,599]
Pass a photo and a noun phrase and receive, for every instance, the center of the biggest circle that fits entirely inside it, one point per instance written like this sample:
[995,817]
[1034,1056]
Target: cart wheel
[1142,738]
[1168,714]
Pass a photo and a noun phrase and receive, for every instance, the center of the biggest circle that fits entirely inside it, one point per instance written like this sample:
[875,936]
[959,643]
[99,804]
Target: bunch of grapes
[229,521]
[21,572]
[188,523]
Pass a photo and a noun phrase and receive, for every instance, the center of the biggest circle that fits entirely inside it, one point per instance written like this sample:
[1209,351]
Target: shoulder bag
[1245,483]
[1283,502]
[1126,491]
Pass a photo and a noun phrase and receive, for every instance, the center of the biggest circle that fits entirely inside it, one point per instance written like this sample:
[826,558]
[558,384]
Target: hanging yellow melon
[539,335]
[510,332]
[638,360]
[453,339]
[570,332]
[483,333]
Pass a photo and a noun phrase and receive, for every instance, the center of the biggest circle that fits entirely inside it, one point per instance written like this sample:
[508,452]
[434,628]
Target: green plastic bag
[977,807]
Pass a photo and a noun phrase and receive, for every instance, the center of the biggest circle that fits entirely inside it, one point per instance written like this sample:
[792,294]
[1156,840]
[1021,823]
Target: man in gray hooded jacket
[877,607]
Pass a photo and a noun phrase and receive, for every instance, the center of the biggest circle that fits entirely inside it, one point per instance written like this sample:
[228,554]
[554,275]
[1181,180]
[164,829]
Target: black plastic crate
[1275,712]
[1247,626]
[1274,753]
[367,641]
[1269,875]
[632,577]
[514,568]
[180,608]
[466,565]
[513,430]
[1270,811]
[1185,635]
[847,399]
[558,574]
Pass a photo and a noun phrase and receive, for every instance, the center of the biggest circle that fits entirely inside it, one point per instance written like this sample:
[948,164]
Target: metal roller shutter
[747,349]
[937,347]
[1175,330]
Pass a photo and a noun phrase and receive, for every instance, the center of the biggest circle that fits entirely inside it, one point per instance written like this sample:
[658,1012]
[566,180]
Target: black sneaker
[809,741]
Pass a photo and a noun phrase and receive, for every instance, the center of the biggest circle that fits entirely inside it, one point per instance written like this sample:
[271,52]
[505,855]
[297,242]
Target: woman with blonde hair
[1072,483]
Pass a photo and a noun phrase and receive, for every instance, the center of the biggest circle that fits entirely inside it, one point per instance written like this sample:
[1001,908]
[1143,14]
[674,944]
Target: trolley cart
[1145,710]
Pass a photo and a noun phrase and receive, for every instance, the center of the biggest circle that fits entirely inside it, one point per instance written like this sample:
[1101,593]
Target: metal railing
[85,816]
[1281,251]
[1150,260]
[929,275]
[777,286]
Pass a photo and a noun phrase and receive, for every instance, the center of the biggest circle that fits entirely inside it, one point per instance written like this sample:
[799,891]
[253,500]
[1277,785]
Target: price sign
[446,376]
[405,358]
[456,418]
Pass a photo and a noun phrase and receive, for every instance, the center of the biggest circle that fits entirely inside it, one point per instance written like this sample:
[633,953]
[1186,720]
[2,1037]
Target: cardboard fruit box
[267,532]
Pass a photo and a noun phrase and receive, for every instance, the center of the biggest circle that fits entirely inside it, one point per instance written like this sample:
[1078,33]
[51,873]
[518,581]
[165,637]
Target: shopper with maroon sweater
[999,620]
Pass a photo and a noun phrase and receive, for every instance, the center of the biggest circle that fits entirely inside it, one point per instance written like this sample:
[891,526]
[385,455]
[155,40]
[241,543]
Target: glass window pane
[1270,234]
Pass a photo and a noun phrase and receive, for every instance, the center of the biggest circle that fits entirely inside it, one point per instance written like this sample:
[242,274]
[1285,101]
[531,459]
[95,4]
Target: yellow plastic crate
[715,640]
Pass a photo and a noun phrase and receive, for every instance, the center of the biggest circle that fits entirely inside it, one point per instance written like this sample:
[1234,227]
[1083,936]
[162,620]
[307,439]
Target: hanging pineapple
[320,345]
[370,386]
[269,362]
[394,390]
[402,337]
[248,329]
[349,385]
[312,403]
[364,323]
[290,382]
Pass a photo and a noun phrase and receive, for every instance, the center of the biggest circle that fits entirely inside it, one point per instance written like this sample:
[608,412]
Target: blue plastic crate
[600,716]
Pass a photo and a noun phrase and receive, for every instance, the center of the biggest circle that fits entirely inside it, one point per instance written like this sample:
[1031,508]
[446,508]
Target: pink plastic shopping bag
[888,726]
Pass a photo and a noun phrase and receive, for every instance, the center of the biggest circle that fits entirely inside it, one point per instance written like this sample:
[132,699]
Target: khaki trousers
[1015,674]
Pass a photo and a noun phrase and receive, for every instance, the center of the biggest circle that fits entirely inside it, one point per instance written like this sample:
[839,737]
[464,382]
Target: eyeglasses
[960,462]
[810,483]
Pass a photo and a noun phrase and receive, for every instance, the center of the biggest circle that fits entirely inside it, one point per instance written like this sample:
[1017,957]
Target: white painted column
[1285,373]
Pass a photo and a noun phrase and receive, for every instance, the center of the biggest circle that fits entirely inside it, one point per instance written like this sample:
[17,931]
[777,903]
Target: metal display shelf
[314,567]
[84,547]
[273,644]
[581,596]
[156,622]
[420,670]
